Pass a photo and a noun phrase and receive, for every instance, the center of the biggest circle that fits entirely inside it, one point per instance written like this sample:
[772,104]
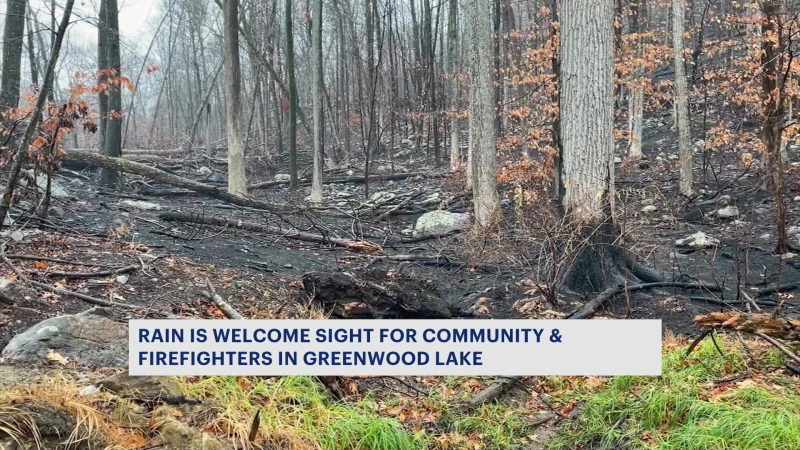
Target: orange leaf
[40,265]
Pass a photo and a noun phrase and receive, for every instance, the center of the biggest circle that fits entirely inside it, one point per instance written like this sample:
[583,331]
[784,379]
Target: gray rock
[728,212]
[437,223]
[56,190]
[17,236]
[9,292]
[56,211]
[797,199]
[697,240]
[204,171]
[122,279]
[649,209]
[89,339]
[617,160]
[283,177]
[793,230]
[127,386]
[724,200]
[139,204]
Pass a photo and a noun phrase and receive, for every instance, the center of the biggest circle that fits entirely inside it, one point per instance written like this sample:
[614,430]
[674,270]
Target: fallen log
[376,295]
[353,179]
[775,327]
[161,176]
[353,245]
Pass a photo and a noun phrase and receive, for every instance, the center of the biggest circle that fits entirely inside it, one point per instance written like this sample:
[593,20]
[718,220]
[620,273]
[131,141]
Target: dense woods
[536,159]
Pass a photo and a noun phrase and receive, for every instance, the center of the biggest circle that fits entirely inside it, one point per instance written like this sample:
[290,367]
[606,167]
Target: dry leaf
[53,356]
[40,265]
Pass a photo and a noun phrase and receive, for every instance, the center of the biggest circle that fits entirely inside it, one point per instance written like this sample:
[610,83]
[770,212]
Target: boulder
[697,240]
[9,292]
[438,223]
[89,338]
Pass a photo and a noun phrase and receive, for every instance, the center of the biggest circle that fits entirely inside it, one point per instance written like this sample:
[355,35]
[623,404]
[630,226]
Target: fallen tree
[124,165]
[353,179]
[353,245]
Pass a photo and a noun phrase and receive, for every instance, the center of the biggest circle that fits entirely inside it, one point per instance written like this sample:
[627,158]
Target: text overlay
[395,347]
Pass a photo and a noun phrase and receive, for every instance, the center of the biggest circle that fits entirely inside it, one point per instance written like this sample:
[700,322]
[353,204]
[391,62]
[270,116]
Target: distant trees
[319,118]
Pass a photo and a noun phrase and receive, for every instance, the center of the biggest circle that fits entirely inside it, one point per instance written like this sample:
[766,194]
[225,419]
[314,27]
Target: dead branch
[55,260]
[492,392]
[775,327]
[103,273]
[357,246]
[226,308]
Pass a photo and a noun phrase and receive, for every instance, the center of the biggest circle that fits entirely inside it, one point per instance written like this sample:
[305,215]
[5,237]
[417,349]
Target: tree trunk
[681,101]
[587,126]
[102,64]
[455,84]
[112,142]
[291,125]
[482,112]
[237,177]
[12,55]
[319,118]
[636,94]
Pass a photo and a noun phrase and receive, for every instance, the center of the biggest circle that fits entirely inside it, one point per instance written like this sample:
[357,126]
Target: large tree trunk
[112,142]
[586,122]
[237,178]
[319,118]
[636,94]
[681,101]
[482,112]
[102,64]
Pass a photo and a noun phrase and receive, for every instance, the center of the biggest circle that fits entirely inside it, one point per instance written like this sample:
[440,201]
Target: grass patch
[296,414]
[698,404]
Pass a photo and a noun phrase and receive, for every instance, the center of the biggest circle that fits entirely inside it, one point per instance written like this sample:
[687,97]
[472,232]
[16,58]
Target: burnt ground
[260,273]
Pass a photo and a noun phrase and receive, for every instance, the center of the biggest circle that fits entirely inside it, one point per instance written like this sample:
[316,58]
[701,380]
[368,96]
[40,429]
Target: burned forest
[395,160]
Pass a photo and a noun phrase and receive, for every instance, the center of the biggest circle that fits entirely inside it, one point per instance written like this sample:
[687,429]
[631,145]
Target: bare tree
[291,126]
[455,84]
[237,181]
[681,101]
[482,112]
[13,36]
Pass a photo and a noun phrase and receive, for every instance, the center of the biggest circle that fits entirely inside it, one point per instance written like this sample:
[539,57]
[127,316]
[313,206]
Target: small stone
[282,177]
[724,200]
[649,209]
[765,237]
[797,199]
[673,157]
[658,158]
[17,236]
[617,160]
[789,255]
[204,171]
[56,211]
[793,230]
[287,266]
[740,223]
[122,279]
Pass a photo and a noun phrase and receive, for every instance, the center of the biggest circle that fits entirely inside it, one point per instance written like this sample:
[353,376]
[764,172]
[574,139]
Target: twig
[103,273]
[779,346]
[55,260]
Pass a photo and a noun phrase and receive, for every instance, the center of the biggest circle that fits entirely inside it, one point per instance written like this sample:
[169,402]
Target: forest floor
[490,275]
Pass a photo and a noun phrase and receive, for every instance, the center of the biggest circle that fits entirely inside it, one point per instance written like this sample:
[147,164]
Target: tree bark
[455,84]
[319,118]
[112,140]
[237,177]
[482,112]
[102,64]
[291,125]
[13,37]
[681,101]
[586,122]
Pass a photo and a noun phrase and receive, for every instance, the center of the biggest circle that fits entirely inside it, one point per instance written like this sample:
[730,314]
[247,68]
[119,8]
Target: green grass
[684,410]
[295,414]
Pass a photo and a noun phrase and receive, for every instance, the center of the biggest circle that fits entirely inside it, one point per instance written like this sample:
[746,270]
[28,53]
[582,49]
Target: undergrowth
[709,401]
